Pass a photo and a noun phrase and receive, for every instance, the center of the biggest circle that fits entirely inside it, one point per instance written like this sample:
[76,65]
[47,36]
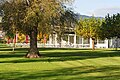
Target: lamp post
[14,33]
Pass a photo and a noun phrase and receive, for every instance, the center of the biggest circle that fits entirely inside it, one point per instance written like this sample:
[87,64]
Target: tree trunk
[33,51]
[93,44]
[116,43]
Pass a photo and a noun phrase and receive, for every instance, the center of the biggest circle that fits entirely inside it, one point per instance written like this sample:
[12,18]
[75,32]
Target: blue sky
[96,7]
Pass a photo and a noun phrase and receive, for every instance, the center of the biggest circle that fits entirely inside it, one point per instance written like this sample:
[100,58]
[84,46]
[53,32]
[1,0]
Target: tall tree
[30,17]
[111,27]
[89,28]
[65,22]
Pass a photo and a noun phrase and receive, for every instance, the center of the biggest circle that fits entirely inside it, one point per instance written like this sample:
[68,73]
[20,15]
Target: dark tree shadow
[58,56]
[75,73]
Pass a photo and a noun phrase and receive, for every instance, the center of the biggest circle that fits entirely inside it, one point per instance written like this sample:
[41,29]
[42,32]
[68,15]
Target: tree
[111,27]
[65,22]
[29,17]
[89,28]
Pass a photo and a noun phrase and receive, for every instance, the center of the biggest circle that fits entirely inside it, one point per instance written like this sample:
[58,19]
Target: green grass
[60,64]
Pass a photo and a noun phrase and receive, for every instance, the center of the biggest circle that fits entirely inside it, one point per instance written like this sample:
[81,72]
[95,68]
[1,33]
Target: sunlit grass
[60,64]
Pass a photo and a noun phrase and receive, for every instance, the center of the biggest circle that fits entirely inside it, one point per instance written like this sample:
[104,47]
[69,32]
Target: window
[101,41]
[78,40]
[71,39]
[86,41]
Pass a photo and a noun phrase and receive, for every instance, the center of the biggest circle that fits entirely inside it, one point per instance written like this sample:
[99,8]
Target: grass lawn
[60,64]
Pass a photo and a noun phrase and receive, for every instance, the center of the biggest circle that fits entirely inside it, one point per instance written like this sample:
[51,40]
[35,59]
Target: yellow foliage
[42,37]
[39,36]
[21,37]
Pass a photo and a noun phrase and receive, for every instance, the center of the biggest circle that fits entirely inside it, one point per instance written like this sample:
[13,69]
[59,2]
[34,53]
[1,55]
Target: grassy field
[60,64]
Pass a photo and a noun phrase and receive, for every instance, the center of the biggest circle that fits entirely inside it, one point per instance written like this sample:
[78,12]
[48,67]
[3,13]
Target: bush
[2,41]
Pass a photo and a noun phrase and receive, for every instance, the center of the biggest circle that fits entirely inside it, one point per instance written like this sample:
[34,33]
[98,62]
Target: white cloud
[104,11]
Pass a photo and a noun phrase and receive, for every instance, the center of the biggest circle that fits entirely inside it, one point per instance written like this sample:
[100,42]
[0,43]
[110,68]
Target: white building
[74,41]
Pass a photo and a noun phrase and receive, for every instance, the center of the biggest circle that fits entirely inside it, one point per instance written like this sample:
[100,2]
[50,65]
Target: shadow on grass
[74,73]
[11,55]
[3,47]
[59,56]
[50,49]
[52,59]
[83,53]
[40,49]
[16,49]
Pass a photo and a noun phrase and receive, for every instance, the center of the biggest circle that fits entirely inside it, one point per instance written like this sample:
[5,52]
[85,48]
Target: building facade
[74,41]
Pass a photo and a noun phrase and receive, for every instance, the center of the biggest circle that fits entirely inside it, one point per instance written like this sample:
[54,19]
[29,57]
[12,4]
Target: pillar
[75,40]
[90,42]
[106,43]
[50,40]
[68,40]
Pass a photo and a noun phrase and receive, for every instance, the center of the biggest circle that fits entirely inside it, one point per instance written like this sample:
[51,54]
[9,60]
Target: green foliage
[24,16]
[30,17]
[10,34]
[2,41]
[65,23]
[111,27]
[89,27]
